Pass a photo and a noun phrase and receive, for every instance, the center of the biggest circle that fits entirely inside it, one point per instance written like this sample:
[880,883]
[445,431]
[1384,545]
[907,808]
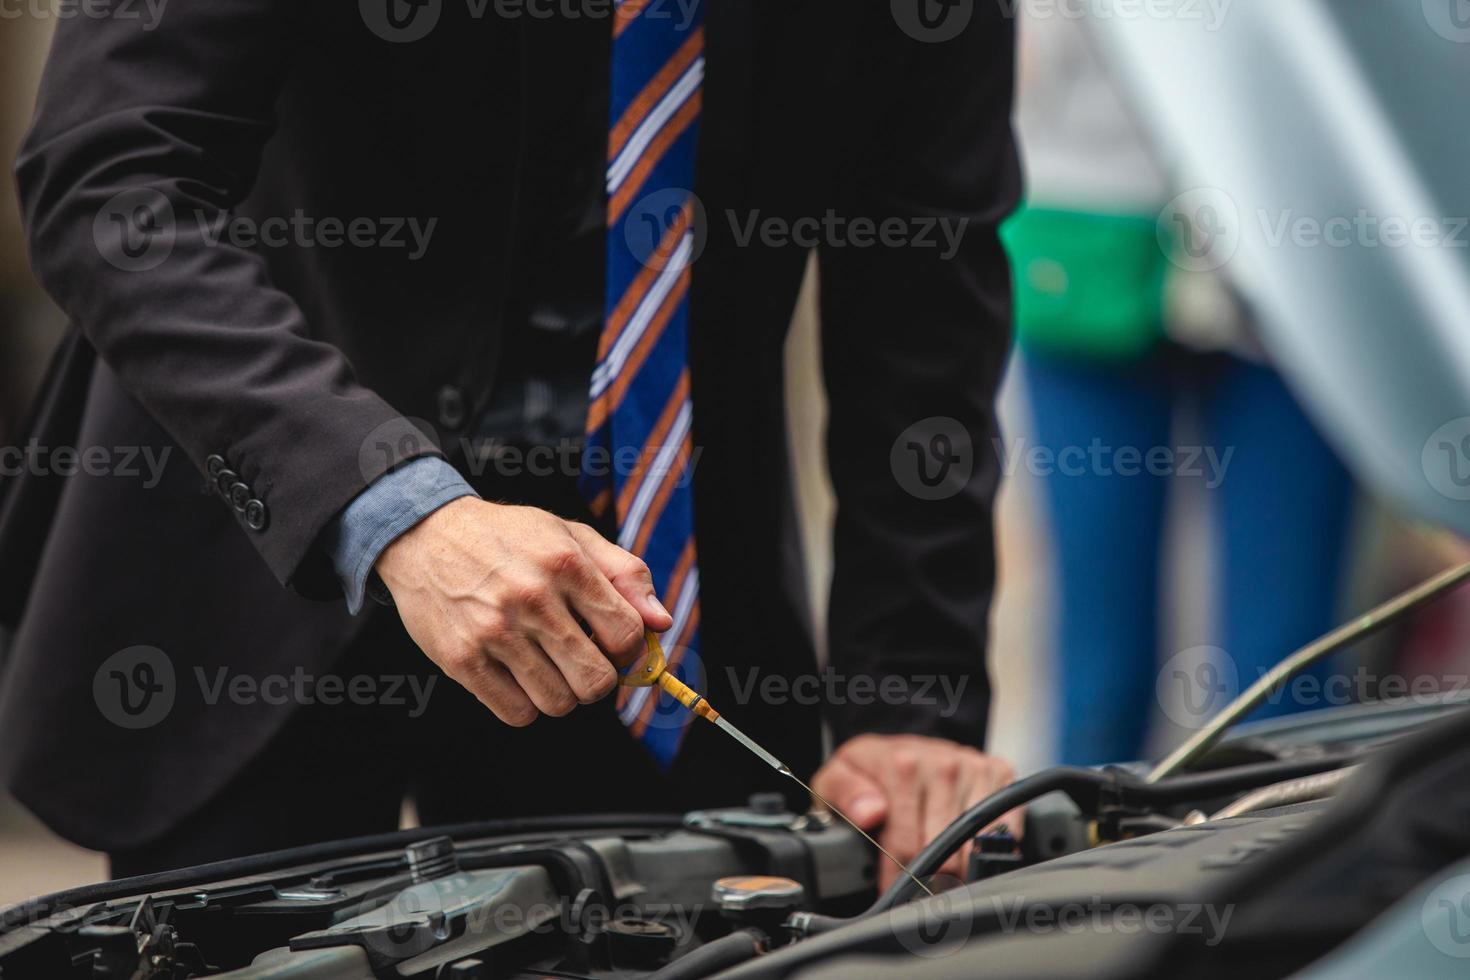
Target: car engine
[1222,870]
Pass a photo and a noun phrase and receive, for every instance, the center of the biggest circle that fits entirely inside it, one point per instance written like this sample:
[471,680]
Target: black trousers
[344,770]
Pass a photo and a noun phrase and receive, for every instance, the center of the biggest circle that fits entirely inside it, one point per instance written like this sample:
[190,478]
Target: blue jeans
[1280,503]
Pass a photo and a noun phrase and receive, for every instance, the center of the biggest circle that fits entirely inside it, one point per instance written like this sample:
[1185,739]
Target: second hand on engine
[654,672]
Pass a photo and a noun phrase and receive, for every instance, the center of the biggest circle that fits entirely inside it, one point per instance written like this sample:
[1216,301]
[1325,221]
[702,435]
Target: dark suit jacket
[288,361]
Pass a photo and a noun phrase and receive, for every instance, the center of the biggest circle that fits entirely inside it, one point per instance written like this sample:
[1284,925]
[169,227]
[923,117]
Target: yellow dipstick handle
[655,670]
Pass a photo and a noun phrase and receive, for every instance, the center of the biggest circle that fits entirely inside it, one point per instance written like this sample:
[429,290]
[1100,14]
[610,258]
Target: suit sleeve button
[224,481]
[213,465]
[256,516]
[240,497]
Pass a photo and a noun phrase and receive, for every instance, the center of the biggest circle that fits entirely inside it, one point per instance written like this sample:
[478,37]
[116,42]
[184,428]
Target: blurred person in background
[1118,343]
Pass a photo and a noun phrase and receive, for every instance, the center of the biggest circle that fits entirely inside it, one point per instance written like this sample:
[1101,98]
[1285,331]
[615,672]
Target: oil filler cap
[757,893]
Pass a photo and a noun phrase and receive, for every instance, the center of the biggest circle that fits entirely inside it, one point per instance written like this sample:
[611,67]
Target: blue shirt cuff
[393,504]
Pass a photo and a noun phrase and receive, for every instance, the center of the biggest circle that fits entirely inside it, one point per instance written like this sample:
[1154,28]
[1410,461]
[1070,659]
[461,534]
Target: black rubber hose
[1083,785]
[716,955]
[1086,787]
[1235,779]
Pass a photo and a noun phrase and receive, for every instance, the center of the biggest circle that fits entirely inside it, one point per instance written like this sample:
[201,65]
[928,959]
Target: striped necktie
[640,386]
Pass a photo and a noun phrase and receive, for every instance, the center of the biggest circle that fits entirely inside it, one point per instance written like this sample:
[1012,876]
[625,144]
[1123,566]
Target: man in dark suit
[289,233]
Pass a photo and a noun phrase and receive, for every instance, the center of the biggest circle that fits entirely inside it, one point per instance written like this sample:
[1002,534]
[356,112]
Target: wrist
[380,514]
[399,562]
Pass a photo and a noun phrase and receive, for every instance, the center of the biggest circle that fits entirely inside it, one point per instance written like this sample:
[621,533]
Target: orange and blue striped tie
[640,386]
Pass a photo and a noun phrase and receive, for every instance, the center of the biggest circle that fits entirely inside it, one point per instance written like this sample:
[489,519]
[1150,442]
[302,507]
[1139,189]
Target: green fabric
[1087,285]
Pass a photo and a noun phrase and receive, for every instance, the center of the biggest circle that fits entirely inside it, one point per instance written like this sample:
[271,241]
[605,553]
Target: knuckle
[635,575]
[627,633]
[947,768]
[463,662]
[565,641]
[599,682]
[906,764]
[532,597]
[564,560]
[491,630]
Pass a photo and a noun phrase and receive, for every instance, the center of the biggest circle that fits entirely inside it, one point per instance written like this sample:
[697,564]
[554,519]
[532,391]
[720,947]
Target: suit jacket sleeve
[915,339]
[144,138]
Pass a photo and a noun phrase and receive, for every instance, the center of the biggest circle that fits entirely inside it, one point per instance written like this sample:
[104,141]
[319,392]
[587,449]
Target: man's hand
[912,787]
[496,595]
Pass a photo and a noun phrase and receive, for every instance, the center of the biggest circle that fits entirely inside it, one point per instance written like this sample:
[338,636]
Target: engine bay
[1202,873]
